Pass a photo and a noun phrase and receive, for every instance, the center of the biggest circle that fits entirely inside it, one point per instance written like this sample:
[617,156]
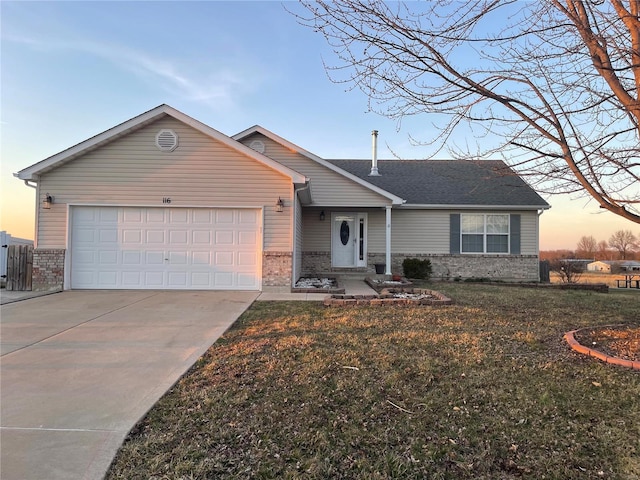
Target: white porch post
[388,241]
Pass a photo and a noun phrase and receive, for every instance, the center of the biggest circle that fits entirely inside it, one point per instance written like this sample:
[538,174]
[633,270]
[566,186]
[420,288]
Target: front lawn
[483,389]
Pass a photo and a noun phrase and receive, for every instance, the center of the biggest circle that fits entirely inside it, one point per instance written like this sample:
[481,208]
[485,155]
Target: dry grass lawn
[483,389]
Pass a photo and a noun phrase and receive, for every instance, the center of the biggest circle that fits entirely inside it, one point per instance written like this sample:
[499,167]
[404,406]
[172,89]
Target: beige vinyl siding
[328,188]
[412,231]
[317,234]
[419,231]
[427,231]
[133,171]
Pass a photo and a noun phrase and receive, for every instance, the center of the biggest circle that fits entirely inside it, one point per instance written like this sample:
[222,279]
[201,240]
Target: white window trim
[484,234]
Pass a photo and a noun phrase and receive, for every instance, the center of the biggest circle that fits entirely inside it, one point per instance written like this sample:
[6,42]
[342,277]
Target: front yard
[483,389]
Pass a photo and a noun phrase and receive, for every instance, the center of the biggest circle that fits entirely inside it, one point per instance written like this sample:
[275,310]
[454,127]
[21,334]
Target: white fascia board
[395,200]
[296,177]
[414,206]
[32,172]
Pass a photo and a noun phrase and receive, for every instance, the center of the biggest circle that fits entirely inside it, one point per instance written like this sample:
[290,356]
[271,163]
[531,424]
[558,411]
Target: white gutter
[443,206]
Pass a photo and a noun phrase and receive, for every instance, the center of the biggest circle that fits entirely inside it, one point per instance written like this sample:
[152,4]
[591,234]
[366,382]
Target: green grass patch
[483,389]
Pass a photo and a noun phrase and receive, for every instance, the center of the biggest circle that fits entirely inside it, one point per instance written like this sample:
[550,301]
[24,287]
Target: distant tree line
[621,245]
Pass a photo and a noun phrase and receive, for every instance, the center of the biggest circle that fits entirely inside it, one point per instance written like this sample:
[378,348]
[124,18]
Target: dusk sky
[70,70]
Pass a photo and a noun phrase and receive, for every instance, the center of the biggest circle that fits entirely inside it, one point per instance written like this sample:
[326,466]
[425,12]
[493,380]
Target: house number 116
[166,199]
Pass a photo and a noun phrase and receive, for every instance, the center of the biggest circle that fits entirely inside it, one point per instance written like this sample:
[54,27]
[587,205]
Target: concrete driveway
[80,368]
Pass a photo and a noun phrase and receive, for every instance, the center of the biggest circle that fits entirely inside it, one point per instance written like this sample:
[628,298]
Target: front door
[348,239]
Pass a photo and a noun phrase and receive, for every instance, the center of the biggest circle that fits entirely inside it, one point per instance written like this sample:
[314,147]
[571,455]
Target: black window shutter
[454,233]
[515,234]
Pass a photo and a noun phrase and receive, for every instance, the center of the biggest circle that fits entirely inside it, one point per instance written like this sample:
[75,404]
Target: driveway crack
[80,324]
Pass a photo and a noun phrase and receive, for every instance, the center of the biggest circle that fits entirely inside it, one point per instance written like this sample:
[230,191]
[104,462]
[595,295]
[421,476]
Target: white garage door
[165,248]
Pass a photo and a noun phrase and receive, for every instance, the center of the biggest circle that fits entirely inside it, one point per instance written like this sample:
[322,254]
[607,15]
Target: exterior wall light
[322,216]
[47,202]
[279,205]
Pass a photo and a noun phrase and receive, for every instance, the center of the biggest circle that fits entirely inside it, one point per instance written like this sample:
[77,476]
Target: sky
[71,70]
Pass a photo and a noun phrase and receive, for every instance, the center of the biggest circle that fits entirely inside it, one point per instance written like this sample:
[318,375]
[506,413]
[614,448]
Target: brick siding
[48,269]
[276,269]
[447,267]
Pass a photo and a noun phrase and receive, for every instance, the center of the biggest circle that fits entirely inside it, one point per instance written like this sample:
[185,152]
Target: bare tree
[624,241]
[587,246]
[603,250]
[568,270]
[557,85]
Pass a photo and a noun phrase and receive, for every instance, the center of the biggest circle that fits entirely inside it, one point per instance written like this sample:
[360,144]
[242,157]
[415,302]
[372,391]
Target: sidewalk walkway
[351,287]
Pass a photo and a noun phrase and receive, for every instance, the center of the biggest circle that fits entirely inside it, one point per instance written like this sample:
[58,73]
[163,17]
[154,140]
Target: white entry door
[348,239]
[165,248]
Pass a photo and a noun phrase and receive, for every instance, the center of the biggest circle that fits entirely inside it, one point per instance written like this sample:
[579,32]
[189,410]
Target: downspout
[35,234]
[388,241]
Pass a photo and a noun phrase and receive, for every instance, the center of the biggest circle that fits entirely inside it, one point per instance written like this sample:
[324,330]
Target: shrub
[416,268]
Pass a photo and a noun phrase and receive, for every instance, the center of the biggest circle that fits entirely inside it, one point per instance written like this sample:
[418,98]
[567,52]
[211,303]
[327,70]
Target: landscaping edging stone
[386,298]
[578,347]
[383,282]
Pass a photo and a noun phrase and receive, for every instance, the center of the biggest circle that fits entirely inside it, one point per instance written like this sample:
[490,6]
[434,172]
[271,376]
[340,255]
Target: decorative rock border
[337,289]
[387,297]
[578,347]
[383,282]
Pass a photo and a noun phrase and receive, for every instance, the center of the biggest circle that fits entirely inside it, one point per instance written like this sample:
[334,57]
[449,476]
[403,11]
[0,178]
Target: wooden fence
[19,267]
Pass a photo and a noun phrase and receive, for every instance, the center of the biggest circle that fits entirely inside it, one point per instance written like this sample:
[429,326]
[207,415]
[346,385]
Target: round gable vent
[257,145]
[167,140]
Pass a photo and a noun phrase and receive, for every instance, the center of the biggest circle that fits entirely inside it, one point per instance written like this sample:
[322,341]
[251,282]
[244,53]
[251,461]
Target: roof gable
[395,199]
[460,183]
[32,172]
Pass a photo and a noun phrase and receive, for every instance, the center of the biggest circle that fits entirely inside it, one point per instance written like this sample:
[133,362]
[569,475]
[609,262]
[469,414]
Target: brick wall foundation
[496,267]
[448,267]
[276,269]
[48,269]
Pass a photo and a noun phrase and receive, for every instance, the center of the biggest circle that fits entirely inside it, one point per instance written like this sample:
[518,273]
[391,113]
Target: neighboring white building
[605,266]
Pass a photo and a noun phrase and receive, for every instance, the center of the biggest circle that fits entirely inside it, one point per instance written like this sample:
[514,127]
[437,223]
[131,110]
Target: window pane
[472,223]
[497,243]
[472,243]
[497,223]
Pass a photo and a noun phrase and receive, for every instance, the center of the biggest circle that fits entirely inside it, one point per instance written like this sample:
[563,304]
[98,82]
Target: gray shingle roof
[448,182]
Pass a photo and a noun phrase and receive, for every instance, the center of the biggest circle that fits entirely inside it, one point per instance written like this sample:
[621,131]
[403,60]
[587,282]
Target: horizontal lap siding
[412,231]
[328,188]
[132,171]
[427,231]
[419,231]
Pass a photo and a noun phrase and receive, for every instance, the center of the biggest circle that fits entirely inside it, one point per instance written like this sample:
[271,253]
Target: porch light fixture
[47,202]
[322,216]
[279,205]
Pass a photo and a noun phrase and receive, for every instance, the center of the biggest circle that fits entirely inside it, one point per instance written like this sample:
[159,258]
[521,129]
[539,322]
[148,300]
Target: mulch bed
[621,341]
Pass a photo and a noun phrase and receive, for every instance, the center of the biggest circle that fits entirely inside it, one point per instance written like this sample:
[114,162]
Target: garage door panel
[201,237]
[132,237]
[182,248]
[133,215]
[107,215]
[247,238]
[106,257]
[107,278]
[131,279]
[154,215]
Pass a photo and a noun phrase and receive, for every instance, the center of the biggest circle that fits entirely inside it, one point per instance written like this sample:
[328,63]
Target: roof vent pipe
[374,154]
